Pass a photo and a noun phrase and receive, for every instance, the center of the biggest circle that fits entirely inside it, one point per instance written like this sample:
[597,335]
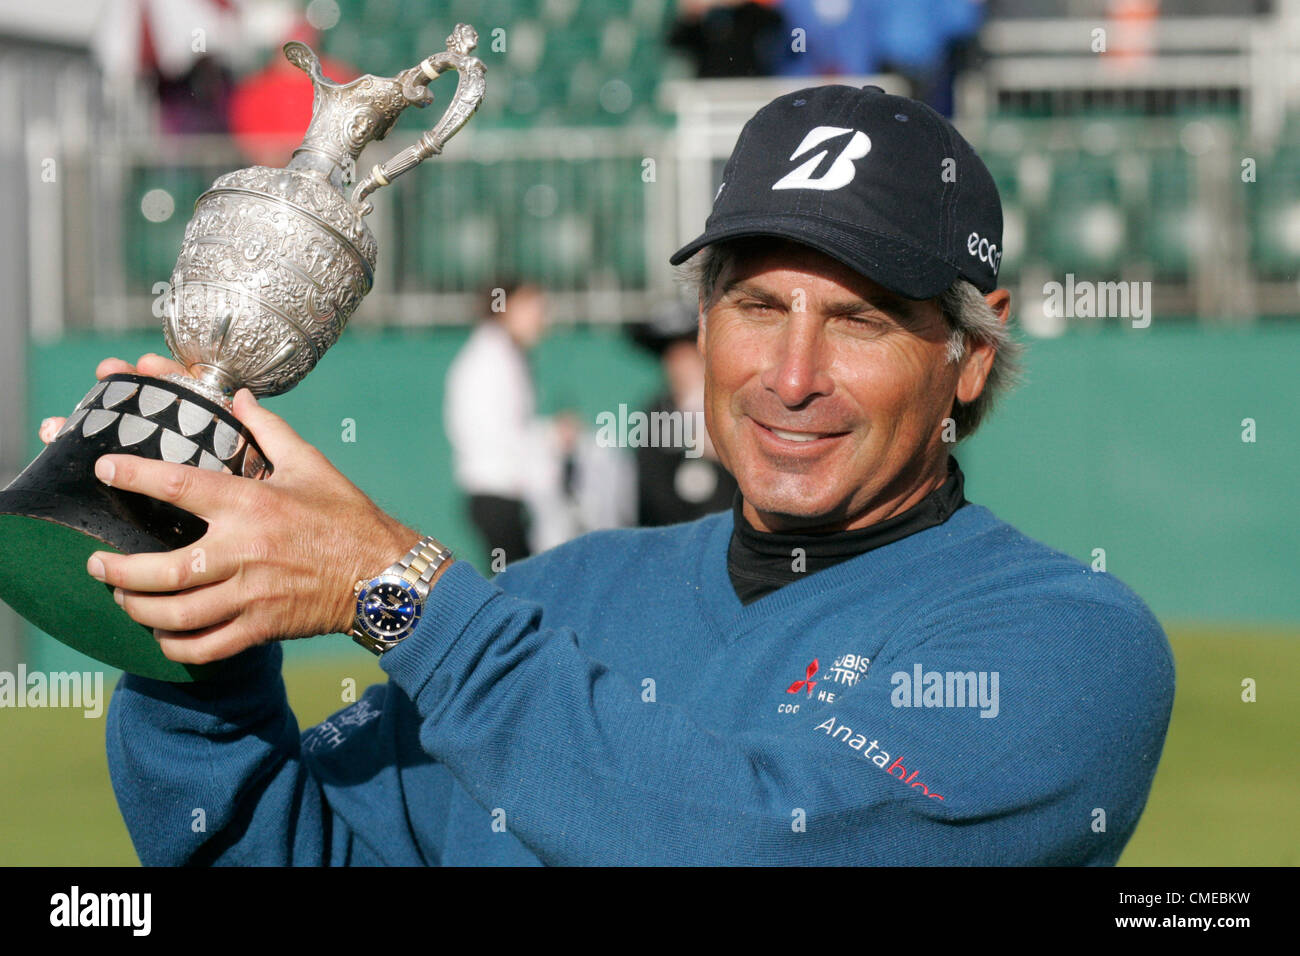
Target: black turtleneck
[761,562]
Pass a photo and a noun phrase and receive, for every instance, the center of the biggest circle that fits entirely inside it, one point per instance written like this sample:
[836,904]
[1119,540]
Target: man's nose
[797,370]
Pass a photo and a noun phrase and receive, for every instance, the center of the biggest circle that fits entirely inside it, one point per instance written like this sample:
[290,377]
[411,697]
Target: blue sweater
[965,695]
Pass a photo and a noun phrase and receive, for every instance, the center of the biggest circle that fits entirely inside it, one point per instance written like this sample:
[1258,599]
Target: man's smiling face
[825,392]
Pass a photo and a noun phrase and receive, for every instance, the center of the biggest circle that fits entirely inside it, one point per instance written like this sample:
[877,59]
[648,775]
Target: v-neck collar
[759,563]
[884,568]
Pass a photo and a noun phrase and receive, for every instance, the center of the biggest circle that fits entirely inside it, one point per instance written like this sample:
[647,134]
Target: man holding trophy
[773,685]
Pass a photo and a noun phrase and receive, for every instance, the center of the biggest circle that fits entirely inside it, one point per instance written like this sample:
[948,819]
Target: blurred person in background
[183,50]
[672,485]
[507,460]
[196,101]
[928,42]
[729,37]
[924,41]
[271,108]
[832,37]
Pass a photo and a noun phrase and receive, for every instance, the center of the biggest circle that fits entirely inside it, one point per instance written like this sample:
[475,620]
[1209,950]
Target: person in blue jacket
[855,665]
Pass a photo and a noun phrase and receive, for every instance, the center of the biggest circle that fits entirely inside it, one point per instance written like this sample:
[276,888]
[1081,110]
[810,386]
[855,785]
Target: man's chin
[805,505]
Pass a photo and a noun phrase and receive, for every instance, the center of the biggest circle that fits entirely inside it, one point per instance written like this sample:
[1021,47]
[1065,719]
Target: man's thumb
[276,437]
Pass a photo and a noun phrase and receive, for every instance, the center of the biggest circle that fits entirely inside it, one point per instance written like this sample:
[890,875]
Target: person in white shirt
[506,459]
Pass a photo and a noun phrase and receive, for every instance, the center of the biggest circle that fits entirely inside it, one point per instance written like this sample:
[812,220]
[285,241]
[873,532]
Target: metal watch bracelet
[417,568]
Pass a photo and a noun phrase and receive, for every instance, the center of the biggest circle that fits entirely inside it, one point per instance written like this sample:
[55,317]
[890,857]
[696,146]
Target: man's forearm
[212,772]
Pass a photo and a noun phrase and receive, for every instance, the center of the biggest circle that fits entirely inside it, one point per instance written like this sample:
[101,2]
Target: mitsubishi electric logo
[847,670]
[807,681]
[842,169]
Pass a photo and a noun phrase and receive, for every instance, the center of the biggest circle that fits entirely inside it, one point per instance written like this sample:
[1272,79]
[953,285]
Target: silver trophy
[273,264]
[276,260]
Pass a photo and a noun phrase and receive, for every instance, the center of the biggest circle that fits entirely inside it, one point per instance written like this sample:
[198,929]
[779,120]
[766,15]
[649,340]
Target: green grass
[1227,790]
[1225,795]
[56,803]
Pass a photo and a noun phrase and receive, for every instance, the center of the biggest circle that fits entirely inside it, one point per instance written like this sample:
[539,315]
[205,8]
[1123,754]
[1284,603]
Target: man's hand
[280,557]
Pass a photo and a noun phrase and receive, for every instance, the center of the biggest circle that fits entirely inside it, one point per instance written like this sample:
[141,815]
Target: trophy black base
[56,513]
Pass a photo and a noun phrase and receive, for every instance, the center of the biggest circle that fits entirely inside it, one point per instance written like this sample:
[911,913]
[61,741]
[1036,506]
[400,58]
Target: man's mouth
[794,436]
[797,436]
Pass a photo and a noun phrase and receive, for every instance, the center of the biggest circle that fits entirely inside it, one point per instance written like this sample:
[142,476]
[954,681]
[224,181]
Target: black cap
[882,183]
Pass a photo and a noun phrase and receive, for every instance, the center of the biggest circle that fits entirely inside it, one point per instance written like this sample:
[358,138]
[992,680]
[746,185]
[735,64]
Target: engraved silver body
[275,261]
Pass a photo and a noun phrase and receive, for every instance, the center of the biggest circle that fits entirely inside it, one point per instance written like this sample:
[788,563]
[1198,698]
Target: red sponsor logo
[807,681]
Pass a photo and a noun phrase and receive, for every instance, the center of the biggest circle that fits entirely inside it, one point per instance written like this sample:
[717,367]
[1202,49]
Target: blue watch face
[389,609]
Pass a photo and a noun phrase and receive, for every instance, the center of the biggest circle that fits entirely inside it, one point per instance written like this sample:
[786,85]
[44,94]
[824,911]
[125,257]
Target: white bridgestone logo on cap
[842,170]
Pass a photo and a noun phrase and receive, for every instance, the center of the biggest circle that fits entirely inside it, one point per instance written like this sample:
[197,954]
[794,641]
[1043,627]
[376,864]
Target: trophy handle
[469,94]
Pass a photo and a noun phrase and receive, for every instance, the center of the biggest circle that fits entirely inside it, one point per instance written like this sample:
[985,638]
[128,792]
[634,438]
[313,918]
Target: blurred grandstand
[594,154]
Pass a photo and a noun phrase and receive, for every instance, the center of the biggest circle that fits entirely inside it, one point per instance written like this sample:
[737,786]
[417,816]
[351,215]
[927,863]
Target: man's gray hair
[969,316]
[971,319]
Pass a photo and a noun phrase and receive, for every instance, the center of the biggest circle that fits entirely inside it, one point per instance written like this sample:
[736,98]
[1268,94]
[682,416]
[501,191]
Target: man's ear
[999,301]
[979,356]
[699,334]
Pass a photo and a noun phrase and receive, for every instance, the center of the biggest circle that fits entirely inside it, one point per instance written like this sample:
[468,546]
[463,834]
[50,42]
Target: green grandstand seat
[559,14]
[1003,167]
[600,11]
[618,42]
[150,248]
[345,43]
[434,11]
[1086,230]
[653,15]
[1274,204]
[565,53]
[351,13]
[448,228]
[582,92]
[1290,136]
[623,235]
[1172,227]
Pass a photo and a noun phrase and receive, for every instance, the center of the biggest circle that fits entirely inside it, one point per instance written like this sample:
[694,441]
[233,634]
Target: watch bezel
[362,623]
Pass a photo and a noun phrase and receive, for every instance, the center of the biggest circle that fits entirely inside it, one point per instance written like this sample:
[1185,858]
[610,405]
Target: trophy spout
[348,116]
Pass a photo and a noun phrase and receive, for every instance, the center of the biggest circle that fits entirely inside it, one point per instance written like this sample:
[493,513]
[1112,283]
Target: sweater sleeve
[584,771]
[215,772]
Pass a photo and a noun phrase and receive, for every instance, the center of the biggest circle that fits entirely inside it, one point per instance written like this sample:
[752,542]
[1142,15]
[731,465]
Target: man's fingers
[156,365]
[161,571]
[197,608]
[114,366]
[196,490]
[50,429]
[204,645]
[282,445]
[151,363]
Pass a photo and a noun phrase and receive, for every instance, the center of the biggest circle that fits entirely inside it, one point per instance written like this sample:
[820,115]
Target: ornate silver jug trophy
[273,264]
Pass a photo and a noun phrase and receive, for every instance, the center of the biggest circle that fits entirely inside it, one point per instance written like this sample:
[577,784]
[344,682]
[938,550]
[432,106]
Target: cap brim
[897,266]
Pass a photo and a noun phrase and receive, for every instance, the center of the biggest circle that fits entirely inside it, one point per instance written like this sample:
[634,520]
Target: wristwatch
[389,606]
